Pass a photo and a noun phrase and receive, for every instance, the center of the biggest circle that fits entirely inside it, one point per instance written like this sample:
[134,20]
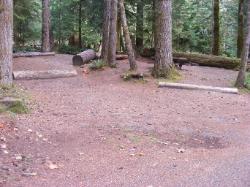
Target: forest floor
[98,130]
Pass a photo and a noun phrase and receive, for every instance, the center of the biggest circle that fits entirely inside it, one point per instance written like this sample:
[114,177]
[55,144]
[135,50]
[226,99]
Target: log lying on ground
[121,57]
[118,56]
[50,74]
[33,54]
[198,87]
[84,57]
[200,59]
[209,60]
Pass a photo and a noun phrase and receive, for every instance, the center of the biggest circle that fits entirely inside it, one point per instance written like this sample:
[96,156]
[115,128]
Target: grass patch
[18,105]
[173,76]
[97,65]
[134,76]
[247,81]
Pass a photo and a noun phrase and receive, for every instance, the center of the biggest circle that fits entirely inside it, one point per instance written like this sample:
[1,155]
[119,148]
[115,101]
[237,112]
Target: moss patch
[18,104]
[247,81]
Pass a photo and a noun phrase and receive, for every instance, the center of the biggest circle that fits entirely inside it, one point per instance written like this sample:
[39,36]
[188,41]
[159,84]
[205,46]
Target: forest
[124,93]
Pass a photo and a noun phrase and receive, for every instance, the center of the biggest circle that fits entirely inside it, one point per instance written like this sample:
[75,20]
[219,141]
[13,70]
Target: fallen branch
[50,74]
[33,54]
[198,87]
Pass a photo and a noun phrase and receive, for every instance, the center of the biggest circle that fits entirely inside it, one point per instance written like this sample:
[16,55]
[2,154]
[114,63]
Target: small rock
[30,130]
[5,152]
[3,146]
[141,154]
[181,150]
[3,139]
[19,157]
[51,165]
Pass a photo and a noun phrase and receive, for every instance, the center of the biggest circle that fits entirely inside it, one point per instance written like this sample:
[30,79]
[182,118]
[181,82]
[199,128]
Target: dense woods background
[192,24]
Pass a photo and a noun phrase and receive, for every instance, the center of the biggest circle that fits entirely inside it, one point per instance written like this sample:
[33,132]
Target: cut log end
[77,60]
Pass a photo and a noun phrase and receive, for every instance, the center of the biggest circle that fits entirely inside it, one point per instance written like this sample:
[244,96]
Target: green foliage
[192,21]
[97,65]
[66,49]
[247,82]
[18,106]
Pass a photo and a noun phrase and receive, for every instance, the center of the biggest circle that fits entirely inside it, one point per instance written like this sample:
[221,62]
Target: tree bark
[240,82]
[128,41]
[46,26]
[105,30]
[163,41]
[216,28]
[80,24]
[6,42]
[240,39]
[139,25]
[118,32]
[112,34]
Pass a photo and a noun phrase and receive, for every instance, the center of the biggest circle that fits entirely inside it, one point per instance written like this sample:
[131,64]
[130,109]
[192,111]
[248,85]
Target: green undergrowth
[97,65]
[20,105]
[247,82]
[135,77]
[172,76]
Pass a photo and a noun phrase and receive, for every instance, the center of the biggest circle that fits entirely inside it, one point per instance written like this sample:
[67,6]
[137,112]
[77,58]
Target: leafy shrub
[97,65]
[247,82]
[66,49]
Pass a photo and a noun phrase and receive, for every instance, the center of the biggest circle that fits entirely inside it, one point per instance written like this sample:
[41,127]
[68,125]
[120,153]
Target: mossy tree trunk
[240,82]
[140,25]
[112,34]
[128,41]
[105,30]
[216,28]
[45,25]
[240,39]
[80,24]
[163,41]
[6,42]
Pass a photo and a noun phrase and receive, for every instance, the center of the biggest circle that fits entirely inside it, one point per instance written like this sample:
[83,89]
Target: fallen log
[118,56]
[200,59]
[84,57]
[198,87]
[121,57]
[209,60]
[50,74]
[33,54]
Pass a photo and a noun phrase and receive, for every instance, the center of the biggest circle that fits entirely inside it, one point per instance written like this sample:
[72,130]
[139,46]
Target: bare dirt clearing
[97,130]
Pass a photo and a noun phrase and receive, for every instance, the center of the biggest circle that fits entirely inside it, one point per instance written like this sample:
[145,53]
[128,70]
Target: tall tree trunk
[163,41]
[60,23]
[6,41]
[80,24]
[128,41]
[119,33]
[105,30]
[240,39]
[112,34]
[45,25]
[240,82]
[139,25]
[216,28]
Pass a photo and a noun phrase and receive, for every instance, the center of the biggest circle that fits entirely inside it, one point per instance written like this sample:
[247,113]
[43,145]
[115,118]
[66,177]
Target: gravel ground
[97,130]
